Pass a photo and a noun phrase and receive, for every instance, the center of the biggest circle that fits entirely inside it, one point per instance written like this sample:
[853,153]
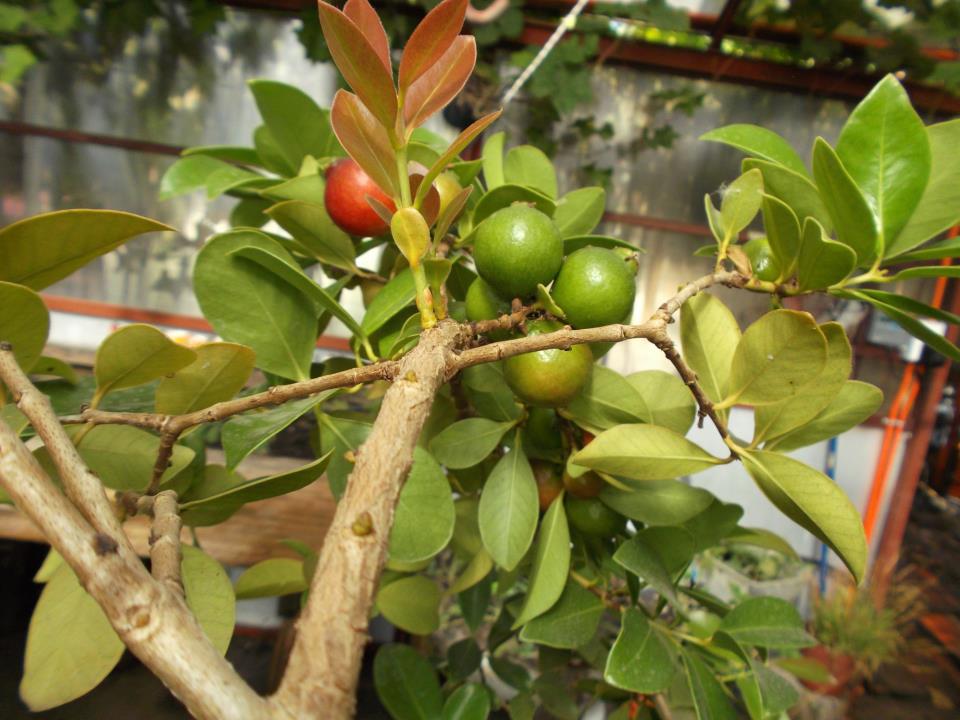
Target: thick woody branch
[165,553]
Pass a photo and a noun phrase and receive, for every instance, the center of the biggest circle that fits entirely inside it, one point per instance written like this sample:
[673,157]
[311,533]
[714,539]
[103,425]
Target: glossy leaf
[468,702]
[884,147]
[208,481]
[919,330]
[822,261]
[669,401]
[709,335]
[467,442]
[644,452]
[606,400]
[219,372]
[492,156]
[506,195]
[580,211]
[364,138]
[406,684]
[657,502]
[713,219]
[430,40]
[780,418]
[900,302]
[709,699]
[793,188]
[570,623]
[24,323]
[270,154]
[814,502]
[209,595]
[939,206]
[741,202]
[767,622]
[450,214]
[424,518]
[783,234]
[71,646]
[296,124]
[949,248]
[411,603]
[474,573]
[392,298]
[930,271]
[458,145]
[312,228]
[243,434]
[228,153]
[854,403]
[270,578]
[359,63]
[45,248]
[640,660]
[529,166]
[551,563]
[137,354]
[777,355]
[508,509]
[441,82]
[254,308]
[575,242]
[757,142]
[855,222]
[366,18]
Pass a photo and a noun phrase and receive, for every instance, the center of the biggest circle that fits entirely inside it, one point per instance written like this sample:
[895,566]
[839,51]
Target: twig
[165,554]
[504,322]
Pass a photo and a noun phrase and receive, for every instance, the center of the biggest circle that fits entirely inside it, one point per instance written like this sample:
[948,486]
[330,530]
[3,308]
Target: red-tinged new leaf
[441,82]
[385,213]
[456,147]
[430,207]
[362,68]
[365,140]
[430,40]
[366,18]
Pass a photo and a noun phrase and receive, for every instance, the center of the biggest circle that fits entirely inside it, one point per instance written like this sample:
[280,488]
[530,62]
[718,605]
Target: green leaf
[406,684]
[254,308]
[424,519]
[475,599]
[579,211]
[269,578]
[643,559]
[757,142]
[777,355]
[759,537]
[854,403]
[208,481]
[71,646]
[506,195]
[918,329]
[640,660]
[657,502]
[492,156]
[741,202]
[122,456]
[228,153]
[712,525]
[456,147]
[939,206]
[51,563]
[669,401]
[508,509]
[530,167]
[412,604]
[900,302]
[551,563]
[771,421]
[709,699]
[783,234]
[209,596]
[767,622]
[606,400]
[822,261]
[270,154]
[467,442]
[575,242]
[709,335]
[243,434]
[392,298]
[306,188]
[312,228]
[793,188]
[469,702]
[570,623]
[24,323]
[713,219]
[342,436]
[931,271]
[855,222]
[949,248]
[45,248]
[197,504]
[219,372]
[54,367]
[297,124]
[805,669]
[884,147]
[814,502]
[644,452]
[200,171]
[463,659]
[137,354]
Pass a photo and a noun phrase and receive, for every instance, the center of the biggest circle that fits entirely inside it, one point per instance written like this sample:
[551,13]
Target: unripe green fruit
[483,303]
[548,378]
[595,287]
[592,517]
[764,265]
[543,429]
[516,249]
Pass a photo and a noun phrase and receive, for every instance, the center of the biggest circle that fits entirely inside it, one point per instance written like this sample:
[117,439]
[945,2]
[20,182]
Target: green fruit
[592,517]
[548,378]
[595,287]
[543,428]
[516,249]
[483,303]
[764,265]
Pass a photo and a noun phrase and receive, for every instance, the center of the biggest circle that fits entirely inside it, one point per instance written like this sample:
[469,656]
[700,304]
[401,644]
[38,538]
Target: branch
[165,553]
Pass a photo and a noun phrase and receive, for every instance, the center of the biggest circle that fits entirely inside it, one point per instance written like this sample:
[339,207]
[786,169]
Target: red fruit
[346,199]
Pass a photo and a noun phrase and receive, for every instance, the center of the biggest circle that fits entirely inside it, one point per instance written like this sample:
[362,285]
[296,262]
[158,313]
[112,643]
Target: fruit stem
[428,318]
[402,178]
